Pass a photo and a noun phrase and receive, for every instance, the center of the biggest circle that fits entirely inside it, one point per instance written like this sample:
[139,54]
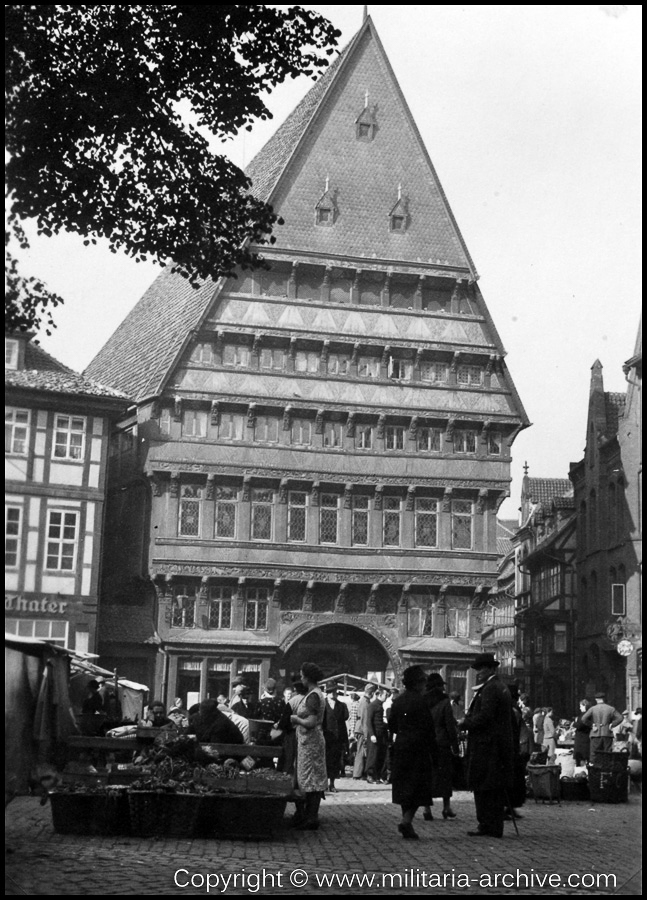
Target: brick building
[318,451]
[57,425]
[608,484]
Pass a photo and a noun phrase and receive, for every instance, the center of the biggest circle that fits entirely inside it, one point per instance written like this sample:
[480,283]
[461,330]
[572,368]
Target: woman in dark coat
[582,742]
[410,721]
[447,740]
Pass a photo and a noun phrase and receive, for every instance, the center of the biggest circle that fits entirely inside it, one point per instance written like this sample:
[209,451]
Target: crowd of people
[421,740]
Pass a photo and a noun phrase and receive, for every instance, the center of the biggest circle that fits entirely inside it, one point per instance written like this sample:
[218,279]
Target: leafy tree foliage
[96,144]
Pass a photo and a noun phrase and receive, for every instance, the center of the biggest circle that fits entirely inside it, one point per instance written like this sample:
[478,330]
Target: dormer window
[365,123]
[325,208]
[399,217]
[10,353]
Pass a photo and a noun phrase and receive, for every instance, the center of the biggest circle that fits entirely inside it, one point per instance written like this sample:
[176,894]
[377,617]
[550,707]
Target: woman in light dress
[312,779]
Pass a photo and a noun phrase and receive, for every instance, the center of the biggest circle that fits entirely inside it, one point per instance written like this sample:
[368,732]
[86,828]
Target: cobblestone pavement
[358,839]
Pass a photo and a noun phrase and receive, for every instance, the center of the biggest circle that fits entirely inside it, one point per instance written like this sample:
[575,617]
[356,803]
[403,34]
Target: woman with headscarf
[414,747]
[312,779]
[446,735]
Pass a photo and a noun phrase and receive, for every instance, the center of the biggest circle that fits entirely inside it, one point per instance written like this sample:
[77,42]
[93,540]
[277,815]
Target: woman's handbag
[459,778]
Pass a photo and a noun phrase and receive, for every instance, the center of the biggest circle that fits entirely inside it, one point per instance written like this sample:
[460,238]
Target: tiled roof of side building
[42,372]
[140,353]
[614,407]
[542,490]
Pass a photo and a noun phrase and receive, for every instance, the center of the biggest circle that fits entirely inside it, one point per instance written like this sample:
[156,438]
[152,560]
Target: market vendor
[156,717]
[211,726]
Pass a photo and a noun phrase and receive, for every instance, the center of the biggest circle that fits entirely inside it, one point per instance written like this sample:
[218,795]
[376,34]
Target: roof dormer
[366,122]
[326,208]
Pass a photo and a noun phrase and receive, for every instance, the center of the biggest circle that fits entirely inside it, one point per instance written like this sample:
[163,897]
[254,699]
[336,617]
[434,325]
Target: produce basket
[615,762]
[608,785]
[544,782]
[182,811]
[574,790]
[148,813]
[240,815]
[91,813]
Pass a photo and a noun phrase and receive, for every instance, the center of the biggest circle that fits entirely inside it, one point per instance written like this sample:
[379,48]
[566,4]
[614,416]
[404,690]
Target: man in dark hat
[490,747]
[335,735]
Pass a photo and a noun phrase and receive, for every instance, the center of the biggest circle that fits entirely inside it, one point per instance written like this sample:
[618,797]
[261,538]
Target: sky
[532,118]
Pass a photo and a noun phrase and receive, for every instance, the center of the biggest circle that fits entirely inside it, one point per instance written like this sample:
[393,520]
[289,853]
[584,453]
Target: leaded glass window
[338,364]
[220,599]
[368,367]
[297,511]
[395,437]
[301,432]
[360,520]
[232,426]
[426,513]
[267,429]
[194,423]
[457,622]
[494,443]
[306,361]
[464,441]
[225,512]
[272,358]
[328,518]
[235,355]
[183,608]
[364,437]
[434,372]
[190,509]
[469,375]
[462,514]
[392,514]
[256,604]
[429,439]
[262,506]
[332,434]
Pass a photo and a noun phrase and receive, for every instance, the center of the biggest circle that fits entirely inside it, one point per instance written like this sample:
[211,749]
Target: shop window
[55,631]
[69,437]
[62,537]
[16,431]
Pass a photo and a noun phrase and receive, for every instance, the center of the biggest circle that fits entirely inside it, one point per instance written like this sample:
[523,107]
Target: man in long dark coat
[490,748]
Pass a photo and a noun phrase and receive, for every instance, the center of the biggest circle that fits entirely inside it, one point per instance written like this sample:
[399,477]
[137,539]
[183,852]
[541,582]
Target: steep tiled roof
[269,162]
[43,372]
[505,528]
[542,490]
[139,355]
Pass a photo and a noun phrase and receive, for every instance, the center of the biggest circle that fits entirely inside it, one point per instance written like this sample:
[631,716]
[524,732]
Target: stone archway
[338,647]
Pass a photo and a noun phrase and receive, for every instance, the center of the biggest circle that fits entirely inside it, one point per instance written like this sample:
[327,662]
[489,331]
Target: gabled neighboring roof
[542,490]
[505,529]
[42,372]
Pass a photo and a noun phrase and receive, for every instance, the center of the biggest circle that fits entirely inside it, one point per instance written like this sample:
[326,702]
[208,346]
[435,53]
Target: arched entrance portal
[338,648]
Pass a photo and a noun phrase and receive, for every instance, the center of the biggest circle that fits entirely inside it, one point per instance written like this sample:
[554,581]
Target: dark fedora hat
[485,660]
[435,679]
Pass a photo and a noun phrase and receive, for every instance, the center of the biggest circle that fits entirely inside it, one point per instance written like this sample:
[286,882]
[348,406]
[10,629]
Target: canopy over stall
[348,682]
[130,696]
[38,714]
